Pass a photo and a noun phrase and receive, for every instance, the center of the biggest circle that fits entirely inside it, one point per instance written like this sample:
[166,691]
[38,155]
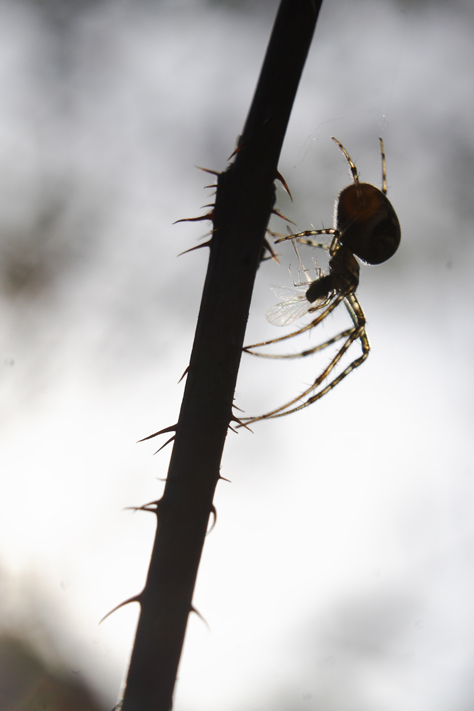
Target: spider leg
[309,326]
[354,334]
[310,243]
[355,176]
[308,233]
[310,351]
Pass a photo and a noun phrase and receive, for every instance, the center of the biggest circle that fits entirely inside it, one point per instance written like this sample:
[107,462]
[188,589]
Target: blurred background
[340,574]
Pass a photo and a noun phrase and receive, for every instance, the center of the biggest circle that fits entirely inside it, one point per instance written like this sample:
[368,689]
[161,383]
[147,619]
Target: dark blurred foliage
[63,11]
[28,683]
[31,255]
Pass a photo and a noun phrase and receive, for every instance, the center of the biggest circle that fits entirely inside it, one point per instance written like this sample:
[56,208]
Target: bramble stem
[244,200]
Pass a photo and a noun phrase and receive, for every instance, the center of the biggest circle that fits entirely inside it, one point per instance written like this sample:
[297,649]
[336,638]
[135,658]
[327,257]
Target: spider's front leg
[299,237]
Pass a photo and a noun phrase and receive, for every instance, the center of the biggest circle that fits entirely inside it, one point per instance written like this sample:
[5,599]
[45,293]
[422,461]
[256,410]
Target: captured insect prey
[367,227]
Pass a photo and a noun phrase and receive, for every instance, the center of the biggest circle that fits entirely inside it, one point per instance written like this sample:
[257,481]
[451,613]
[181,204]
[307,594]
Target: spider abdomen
[367,223]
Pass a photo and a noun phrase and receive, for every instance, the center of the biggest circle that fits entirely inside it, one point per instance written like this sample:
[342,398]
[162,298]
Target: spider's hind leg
[356,333]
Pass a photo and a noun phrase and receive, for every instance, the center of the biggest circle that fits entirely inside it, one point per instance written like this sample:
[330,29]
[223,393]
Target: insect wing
[294,306]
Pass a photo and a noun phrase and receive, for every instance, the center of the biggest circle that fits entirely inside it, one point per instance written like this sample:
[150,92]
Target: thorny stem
[244,200]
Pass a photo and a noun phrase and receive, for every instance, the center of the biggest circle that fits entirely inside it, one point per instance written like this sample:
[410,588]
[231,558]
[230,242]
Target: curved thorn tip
[171,428]
[193,609]
[135,598]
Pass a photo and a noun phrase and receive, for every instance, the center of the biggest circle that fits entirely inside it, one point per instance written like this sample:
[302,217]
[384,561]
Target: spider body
[366,226]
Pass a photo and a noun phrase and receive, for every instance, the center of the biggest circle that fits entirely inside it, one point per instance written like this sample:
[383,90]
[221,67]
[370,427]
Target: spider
[367,227]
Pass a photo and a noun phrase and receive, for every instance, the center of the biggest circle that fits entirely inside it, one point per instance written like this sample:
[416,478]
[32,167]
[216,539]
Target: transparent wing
[287,311]
[293,306]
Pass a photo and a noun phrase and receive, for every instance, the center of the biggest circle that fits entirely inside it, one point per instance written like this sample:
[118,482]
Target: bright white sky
[340,573]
